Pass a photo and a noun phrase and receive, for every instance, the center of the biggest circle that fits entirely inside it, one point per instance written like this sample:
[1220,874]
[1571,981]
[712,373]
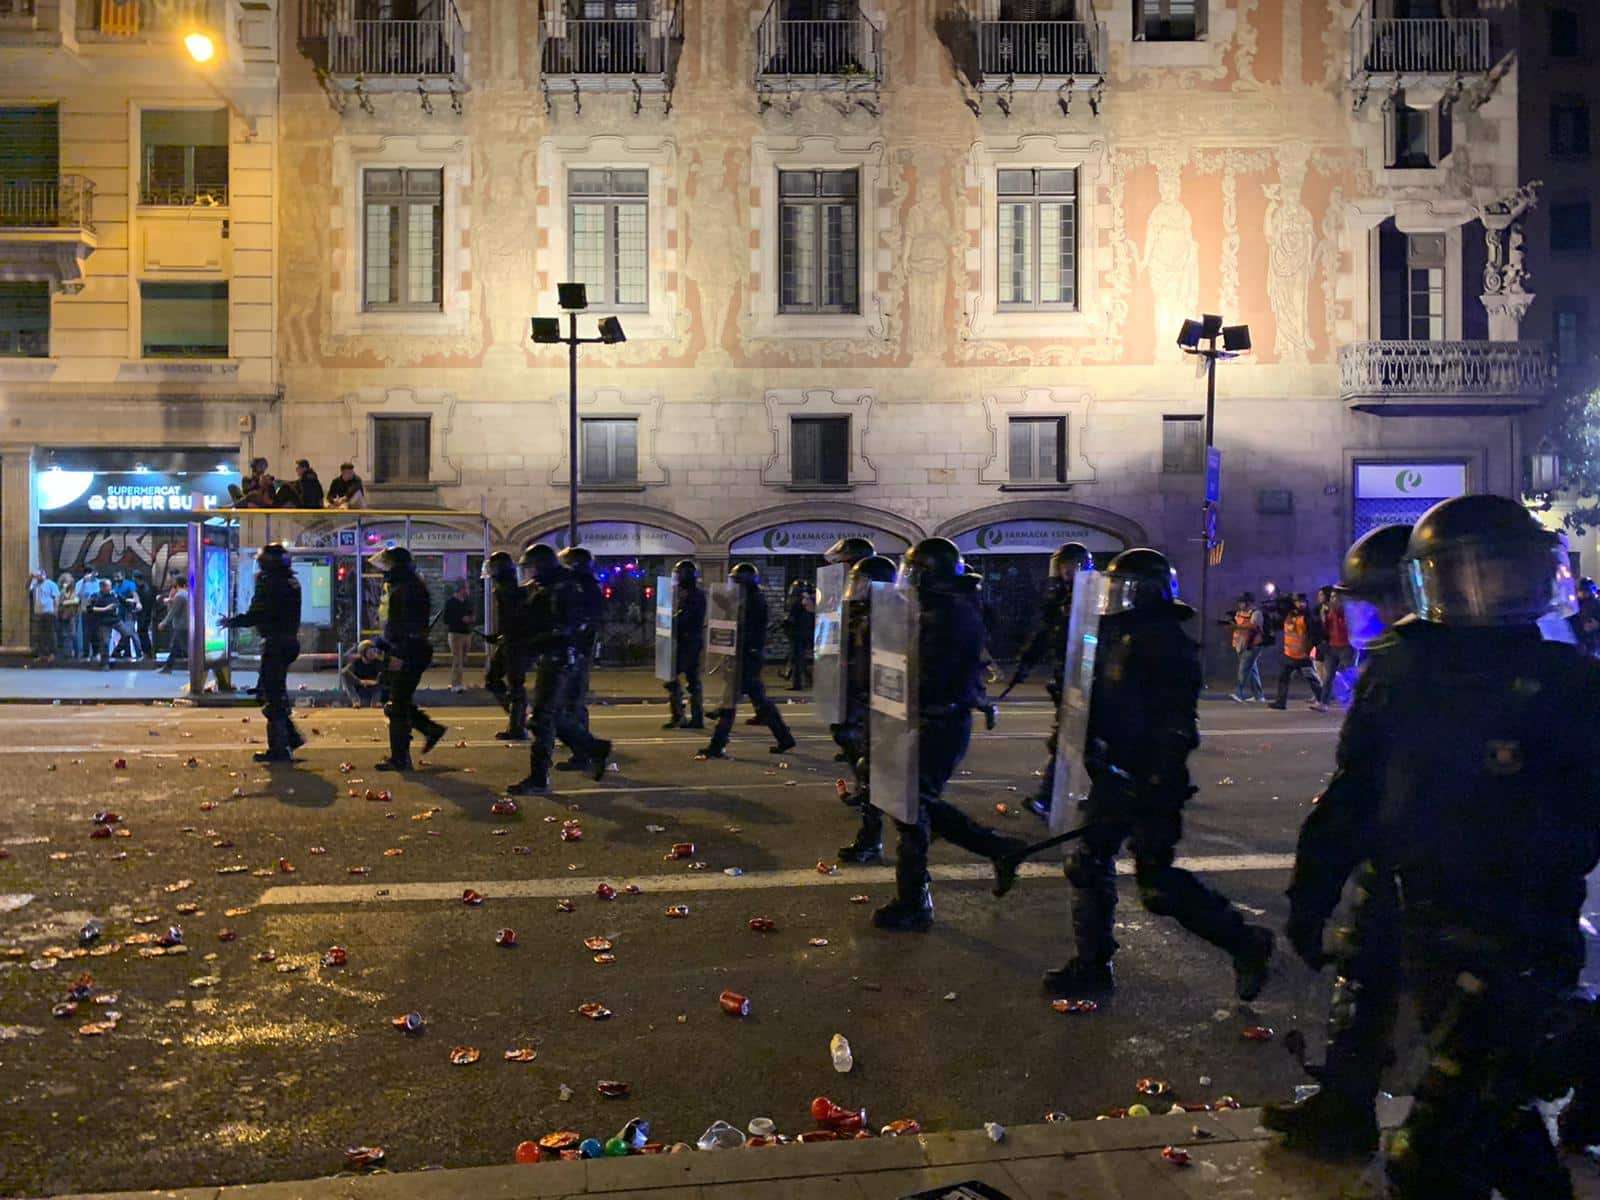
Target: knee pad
[1155,891]
[1085,870]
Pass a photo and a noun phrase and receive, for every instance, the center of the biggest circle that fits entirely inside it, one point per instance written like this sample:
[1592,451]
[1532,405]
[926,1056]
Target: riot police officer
[1468,769]
[1341,1118]
[800,623]
[852,734]
[572,708]
[1048,644]
[505,676]
[848,551]
[552,607]
[1142,727]
[688,640]
[950,649]
[405,633]
[274,613]
[753,652]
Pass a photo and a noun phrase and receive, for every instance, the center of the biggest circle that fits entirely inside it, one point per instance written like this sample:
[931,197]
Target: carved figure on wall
[1516,277]
[1291,241]
[1171,256]
[717,251]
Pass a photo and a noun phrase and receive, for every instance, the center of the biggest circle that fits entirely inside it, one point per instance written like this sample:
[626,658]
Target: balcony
[1396,51]
[47,230]
[1058,56]
[836,55]
[363,56]
[145,20]
[1406,378]
[636,54]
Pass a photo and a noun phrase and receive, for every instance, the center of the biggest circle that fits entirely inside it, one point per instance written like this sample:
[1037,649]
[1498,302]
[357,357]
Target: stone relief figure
[1291,238]
[1171,257]
[717,250]
[1516,277]
[927,256]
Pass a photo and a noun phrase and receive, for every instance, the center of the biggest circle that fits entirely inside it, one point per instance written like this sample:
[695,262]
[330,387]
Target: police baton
[1006,867]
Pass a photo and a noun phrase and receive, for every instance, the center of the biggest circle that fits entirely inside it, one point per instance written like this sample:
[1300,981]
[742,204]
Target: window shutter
[835,454]
[1021,450]
[1200,19]
[625,451]
[804,467]
[1392,306]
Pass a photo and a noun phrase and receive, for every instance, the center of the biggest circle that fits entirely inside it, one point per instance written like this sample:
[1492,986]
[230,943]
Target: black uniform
[405,632]
[852,734]
[753,646]
[274,613]
[800,624]
[505,675]
[688,642]
[1048,644]
[1142,726]
[572,706]
[553,618]
[1468,772]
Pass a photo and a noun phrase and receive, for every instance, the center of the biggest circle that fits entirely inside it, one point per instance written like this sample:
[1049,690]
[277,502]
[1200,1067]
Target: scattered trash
[564,1139]
[996,1132]
[1176,1155]
[1056,1117]
[817,941]
[829,1115]
[90,933]
[1205,1081]
[597,943]
[1225,781]
[762,1127]
[362,1158]
[119,764]
[839,1052]
[696,866]
[827,868]
[566,906]
[357,871]
[226,935]
[410,1023]
[471,898]
[655,828]
[605,891]
[504,807]
[734,1004]
[590,1148]
[612,1089]
[595,1012]
[1152,1087]
[505,937]
[733,872]
[679,850]
[572,832]
[720,1136]
[522,1054]
[860,899]
[1075,1006]
[901,1127]
[1138,1110]
[1305,1091]
[1200,1132]
[632,889]
[1257,1033]
[949,995]
[763,925]
[677,910]
[267,956]
[527,1152]
[205,981]
[565,1094]
[285,867]
[464,1056]
[336,956]
[393,852]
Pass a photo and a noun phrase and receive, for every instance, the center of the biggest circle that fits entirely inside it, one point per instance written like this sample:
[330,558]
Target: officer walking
[800,623]
[1467,768]
[688,640]
[1341,1119]
[506,674]
[753,644]
[552,607]
[950,650]
[847,552]
[405,633]
[852,734]
[1142,727]
[274,614]
[572,708]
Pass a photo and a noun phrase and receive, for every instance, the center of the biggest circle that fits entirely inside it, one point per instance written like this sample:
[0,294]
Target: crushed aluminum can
[335,956]
[381,795]
[1224,1104]
[594,1011]
[632,889]
[596,943]
[1152,1087]
[106,818]
[119,764]
[464,1056]
[505,937]
[562,1139]
[227,935]
[677,910]
[817,941]
[100,831]
[566,906]
[504,807]
[613,1089]
[1075,1006]
[860,899]
[734,1004]
[172,937]
[904,1127]
[91,932]
[471,898]
[827,868]
[234,869]
[847,1121]
[572,833]
[285,867]
[393,852]
[362,1158]
[188,909]
[96,1028]
[267,956]
[1056,1117]
[182,885]
[410,1022]
[817,1135]
[679,850]
[763,925]
[604,960]
[527,1152]
[1257,1033]
[65,1009]
[522,1054]
[1176,1155]
[357,871]
[696,866]
[605,891]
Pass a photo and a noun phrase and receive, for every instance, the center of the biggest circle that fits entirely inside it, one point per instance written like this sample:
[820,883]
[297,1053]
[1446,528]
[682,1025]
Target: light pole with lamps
[1235,341]
[573,299]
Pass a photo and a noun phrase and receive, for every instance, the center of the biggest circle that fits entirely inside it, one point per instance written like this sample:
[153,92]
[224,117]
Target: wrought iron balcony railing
[1041,48]
[574,46]
[1418,46]
[16,10]
[823,53]
[1471,371]
[65,203]
[404,48]
[136,18]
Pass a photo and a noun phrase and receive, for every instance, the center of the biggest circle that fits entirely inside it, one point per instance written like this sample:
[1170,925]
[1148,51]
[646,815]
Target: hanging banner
[1034,537]
[814,538]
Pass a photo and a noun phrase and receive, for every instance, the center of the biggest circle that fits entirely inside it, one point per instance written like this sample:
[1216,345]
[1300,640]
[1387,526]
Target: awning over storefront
[1034,536]
[813,537]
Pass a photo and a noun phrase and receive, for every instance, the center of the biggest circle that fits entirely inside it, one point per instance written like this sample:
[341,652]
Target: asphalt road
[226,1069]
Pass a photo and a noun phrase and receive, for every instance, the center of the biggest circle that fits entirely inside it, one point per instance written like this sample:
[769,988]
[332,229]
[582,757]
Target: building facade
[137,283]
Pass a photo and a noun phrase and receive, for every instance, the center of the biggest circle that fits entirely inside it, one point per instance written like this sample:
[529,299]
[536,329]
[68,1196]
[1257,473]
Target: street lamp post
[1235,341]
[573,299]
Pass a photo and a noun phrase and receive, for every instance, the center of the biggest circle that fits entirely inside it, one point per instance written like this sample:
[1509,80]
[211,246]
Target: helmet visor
[1364,619]
[1491,583]
[1126,592]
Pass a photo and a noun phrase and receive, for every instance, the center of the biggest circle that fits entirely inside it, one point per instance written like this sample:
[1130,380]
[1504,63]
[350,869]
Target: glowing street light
[200,46]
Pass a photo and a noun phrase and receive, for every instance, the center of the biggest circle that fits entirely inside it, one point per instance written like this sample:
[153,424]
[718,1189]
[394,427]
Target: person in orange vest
[1249,640]
[1297,642]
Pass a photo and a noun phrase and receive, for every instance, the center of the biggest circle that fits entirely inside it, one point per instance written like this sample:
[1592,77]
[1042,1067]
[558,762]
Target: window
[817,242]
[1566,33]
[1569,227]
[400,449]
[610,449]
[1038,239]
[1419,138]
[1569,126]
[183,156]
[819,451]
[1183,450]
[608,247]
[1038,449]
[1425,287]
[1570,317]
[183,320]
[404,239]
[1169,20]
[24,320]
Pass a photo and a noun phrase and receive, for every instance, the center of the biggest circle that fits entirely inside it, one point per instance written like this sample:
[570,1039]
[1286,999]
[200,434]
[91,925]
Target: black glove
[1305,935]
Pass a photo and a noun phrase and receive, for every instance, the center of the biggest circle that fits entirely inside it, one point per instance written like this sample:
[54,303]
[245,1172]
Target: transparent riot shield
[829,646]
[892,722]
[1071,783]
[666,652]
[724,607]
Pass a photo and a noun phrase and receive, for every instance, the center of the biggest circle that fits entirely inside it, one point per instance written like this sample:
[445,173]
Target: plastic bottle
[839,1049]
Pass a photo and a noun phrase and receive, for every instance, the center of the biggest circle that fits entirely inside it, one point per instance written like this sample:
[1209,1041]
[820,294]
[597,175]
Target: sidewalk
[1231,1158]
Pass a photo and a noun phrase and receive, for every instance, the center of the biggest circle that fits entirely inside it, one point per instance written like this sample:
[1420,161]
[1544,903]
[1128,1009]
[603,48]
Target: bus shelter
[341,594]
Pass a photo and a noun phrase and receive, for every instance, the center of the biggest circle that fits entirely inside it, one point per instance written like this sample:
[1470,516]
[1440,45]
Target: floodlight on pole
[200,46]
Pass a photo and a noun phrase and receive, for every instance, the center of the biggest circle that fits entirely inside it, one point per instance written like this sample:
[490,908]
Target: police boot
[599,756]
[1329,1124]
[529,786]
[862,852]
[296,738]
[1250,963]
[575,764]
[517,729]
[399,751]
[1079,977]
[911,911]
[774,721]
[697,710]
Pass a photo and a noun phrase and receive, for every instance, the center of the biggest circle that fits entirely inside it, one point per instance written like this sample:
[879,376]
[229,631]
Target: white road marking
[682,884]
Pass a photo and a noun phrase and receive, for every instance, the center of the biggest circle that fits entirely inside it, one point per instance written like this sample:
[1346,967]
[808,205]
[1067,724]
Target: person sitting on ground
[307,487]
[362,676]
[346,491]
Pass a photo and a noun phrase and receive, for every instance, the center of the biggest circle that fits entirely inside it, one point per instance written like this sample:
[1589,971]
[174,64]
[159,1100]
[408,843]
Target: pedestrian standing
[688,640]
[753,652]
[146,614]
[854,734]
[1143,726]
[68,624]
[458,618]
[1338,656]
[1297,653]
[572,708]
[1249,638]
[274,614]
[800,624]
[505,674]
[44,602]
[405,637]
[101,619]
[176,621]
[86,589]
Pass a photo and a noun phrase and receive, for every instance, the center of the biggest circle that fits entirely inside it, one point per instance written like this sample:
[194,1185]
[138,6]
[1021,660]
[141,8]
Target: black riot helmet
[746,574]
[1140,578]
[500,568]
[849,550]
[798,587]
[1485,561]
[874,568]
[1070,558]
[576,558]
[273,557]
[933,564]
[540,559]
[392,558]
[1370,587]
[686,571]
